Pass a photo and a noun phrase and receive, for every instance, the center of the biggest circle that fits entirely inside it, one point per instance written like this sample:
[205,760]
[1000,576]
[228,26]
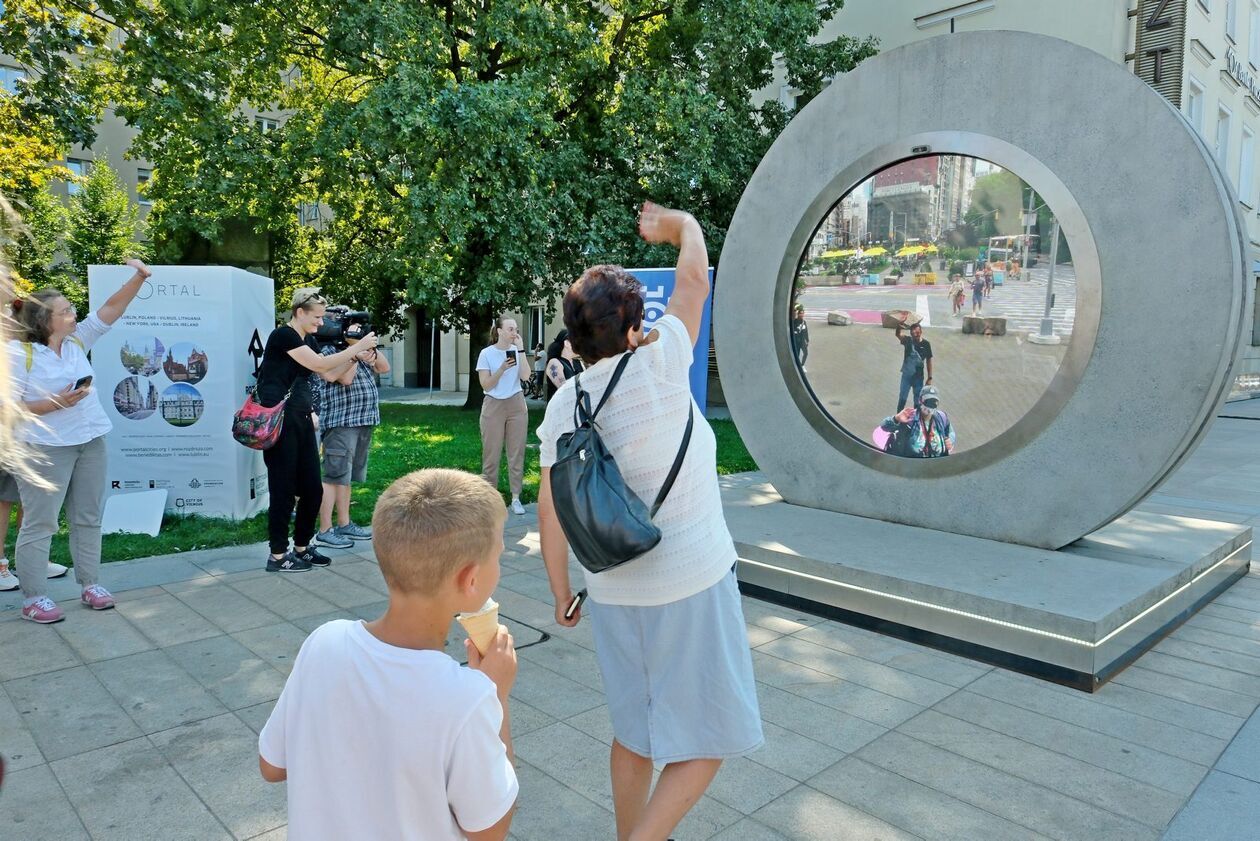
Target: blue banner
[658,285]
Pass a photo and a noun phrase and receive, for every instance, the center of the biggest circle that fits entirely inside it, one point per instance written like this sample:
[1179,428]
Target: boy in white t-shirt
[379,733]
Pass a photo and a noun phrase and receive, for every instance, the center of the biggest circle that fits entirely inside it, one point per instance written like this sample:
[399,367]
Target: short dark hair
[600,308]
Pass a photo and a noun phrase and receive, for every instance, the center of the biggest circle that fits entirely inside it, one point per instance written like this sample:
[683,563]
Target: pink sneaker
[43,610]
[97,597]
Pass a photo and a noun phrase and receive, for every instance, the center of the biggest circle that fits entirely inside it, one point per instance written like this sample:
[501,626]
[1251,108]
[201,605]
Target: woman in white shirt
[504,415]
[53,378]
[669,628]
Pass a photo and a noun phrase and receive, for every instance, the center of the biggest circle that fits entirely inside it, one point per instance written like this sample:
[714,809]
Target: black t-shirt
[922,346]
[280,372]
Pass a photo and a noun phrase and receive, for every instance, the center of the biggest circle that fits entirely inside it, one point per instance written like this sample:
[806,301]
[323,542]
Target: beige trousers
[504,421]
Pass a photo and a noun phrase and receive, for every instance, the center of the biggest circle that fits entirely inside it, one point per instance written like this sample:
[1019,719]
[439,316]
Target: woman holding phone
[504,416]
[53,378]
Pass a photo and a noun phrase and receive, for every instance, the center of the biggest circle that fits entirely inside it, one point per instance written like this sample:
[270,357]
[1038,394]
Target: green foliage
[469,156]
[34,248]
[59,104]
[102,228]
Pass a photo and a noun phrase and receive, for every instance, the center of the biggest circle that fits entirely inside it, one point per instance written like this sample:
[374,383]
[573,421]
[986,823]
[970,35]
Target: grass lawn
[409,438]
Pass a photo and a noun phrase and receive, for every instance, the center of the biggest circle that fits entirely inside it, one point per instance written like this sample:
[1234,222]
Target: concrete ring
[1161,276]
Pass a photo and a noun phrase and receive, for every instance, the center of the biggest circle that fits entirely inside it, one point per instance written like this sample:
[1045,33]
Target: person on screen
[800,335]
[916,360]
[922,432]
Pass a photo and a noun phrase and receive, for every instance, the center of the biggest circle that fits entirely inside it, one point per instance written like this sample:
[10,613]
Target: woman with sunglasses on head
[53,378]
[289,358]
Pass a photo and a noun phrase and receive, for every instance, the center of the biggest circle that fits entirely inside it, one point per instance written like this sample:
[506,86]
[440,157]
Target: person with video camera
[349,412]
[289,358]
[504,415]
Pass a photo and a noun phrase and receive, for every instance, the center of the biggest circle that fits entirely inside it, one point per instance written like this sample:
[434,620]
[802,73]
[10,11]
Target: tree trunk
[480,320]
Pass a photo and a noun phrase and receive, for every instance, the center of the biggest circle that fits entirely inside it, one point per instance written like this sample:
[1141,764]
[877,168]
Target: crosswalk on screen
[933,305]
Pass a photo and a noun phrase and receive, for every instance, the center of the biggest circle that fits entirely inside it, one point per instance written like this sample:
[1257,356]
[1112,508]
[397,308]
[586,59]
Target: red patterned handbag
[257,426]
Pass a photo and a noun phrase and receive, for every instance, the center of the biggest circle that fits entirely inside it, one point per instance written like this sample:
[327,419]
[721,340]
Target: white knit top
[642,425]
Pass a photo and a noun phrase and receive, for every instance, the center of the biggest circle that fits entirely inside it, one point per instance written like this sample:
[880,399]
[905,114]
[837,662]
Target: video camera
[342,326]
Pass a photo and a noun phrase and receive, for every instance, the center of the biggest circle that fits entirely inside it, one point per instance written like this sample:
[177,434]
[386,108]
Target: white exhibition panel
[170,375]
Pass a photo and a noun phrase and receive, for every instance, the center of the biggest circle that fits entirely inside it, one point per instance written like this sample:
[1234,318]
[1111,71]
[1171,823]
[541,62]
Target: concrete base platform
[1075,616]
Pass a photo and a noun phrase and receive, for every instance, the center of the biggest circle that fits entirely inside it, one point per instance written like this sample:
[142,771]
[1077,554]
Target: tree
[102,229]
[34,248]
[472,156]
[58,104]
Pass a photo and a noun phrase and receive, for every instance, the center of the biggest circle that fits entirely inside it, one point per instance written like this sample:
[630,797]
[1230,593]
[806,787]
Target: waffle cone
[481,626]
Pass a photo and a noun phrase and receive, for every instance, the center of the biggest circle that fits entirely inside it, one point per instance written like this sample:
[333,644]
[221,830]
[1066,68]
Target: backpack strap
[678,461]
[582,412]
[29,349]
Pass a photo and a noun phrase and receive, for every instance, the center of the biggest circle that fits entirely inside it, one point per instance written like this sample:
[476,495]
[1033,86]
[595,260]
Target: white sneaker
[516,507]
[56,570]
[8,581]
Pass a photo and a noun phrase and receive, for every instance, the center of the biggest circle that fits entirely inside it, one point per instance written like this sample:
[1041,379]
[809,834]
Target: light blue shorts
[679,676]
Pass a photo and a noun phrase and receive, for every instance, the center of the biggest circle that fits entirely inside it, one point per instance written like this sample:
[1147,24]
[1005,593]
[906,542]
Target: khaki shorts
[346,454]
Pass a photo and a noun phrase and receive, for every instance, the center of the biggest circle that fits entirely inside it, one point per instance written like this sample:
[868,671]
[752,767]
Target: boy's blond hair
[430,523]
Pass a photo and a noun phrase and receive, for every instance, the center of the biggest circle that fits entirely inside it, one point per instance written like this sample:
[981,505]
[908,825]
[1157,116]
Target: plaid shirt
[357,404]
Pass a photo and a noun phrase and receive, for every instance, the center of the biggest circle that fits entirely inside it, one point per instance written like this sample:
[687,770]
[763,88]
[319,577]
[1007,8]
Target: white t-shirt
[642,425]
[50,374]
[390,743]
[509,385]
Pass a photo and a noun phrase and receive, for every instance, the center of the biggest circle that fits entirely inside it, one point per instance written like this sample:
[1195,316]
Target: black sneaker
[312,558]
[289,563]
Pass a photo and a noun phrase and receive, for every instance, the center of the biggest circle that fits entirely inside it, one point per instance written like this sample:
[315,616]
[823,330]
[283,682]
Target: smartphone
[575,604]
[83,382]
[511,354]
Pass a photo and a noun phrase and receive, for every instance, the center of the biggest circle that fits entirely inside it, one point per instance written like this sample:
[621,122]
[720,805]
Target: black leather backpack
[605,522]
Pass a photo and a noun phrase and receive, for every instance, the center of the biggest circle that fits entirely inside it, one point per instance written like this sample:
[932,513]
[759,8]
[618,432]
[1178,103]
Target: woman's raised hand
[661,224]
[140,267]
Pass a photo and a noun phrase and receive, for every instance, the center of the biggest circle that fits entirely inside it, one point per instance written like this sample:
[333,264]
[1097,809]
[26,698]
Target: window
[9,77]
[79,168]
[1231,20]
[1194,105]
[266,125]
[1223,118]
[1253,40]
[536,328]
[1247,169]
[308,213]
[142,178]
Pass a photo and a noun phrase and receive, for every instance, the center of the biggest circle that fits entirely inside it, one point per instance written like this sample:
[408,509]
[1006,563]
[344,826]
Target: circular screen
[932,307]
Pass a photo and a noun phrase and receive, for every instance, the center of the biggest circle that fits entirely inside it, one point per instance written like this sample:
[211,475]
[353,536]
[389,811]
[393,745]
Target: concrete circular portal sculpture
[1159,253]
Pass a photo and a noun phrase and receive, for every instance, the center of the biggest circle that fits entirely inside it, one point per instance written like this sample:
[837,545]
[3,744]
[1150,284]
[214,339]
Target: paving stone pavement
[141,723]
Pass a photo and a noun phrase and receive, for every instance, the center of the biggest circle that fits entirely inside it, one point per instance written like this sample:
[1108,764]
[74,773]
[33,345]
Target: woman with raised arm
[290,357]
[53,378]
[669,627]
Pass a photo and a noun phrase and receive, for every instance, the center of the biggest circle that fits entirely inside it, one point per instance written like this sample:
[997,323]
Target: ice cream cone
[481,626]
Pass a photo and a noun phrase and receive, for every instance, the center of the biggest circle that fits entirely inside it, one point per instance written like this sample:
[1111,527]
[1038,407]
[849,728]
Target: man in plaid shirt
[348,410]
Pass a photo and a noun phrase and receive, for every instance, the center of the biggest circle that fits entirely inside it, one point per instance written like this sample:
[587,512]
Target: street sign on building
[171,373]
